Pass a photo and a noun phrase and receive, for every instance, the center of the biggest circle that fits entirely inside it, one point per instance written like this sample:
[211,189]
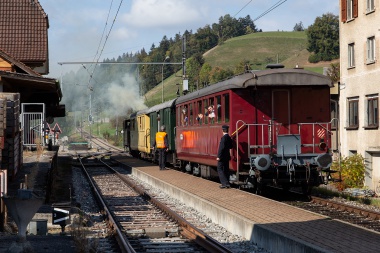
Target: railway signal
[61,216]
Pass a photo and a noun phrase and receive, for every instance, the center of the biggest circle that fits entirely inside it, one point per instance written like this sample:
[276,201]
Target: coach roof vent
[274,66]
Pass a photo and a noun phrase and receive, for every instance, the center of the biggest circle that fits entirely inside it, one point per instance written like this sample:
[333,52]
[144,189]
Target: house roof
[17,64]
[33,87]
[23,30]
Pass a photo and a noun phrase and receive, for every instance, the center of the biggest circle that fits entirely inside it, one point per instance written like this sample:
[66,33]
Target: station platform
[274,226]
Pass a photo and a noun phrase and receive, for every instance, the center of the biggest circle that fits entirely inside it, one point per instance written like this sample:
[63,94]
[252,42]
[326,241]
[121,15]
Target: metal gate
[32,124]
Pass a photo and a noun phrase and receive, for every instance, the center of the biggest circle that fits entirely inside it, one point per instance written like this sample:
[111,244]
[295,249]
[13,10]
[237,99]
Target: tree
[334,72]
[323,38]
[219,74]
[241,67]
[298,27]
[248,25]
[204,74]
[193,66]
[206,38]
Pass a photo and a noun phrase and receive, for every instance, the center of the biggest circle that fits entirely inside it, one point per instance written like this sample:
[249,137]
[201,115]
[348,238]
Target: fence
[32,124]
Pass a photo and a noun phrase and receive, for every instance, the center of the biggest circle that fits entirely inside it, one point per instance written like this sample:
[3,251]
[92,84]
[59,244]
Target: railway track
[100,144]
[143,225]
[360,216]
[339,209]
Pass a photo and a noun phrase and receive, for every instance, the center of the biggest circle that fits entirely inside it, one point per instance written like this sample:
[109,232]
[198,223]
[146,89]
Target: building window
[350,9]
[371,50]
[370,5]
[372,111]
[353,113]
[334,113]
[351,55]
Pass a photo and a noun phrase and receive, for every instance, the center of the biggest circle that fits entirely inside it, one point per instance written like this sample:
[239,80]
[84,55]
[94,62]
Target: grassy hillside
[288,48]
[259,48]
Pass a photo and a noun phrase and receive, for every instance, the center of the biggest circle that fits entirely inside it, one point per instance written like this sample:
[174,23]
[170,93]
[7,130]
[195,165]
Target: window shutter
[355,8]
[343,4]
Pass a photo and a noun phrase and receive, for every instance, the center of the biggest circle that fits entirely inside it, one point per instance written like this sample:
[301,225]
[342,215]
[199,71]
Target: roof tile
[23,30]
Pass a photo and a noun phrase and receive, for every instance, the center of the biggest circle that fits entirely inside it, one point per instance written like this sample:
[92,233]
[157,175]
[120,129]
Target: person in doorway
[224,158]
[161,143]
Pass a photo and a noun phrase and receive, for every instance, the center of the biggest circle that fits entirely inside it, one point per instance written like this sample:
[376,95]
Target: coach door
[281,109]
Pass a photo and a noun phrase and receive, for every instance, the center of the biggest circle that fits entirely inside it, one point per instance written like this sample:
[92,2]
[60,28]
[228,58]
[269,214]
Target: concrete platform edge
[275,241]
[236,224]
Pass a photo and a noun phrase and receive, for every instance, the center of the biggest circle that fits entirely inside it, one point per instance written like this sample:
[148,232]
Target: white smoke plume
[123,98]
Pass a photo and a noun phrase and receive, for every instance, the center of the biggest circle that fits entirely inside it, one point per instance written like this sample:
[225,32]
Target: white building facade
[360,83]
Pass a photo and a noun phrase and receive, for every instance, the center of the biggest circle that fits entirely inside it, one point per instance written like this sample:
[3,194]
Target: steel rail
[344,207]
[188,230]
[120,237]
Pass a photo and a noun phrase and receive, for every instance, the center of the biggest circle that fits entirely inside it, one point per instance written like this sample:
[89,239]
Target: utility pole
[90,120]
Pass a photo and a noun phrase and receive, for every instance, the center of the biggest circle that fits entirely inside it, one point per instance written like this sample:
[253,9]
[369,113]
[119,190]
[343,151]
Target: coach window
[205,104]
[199,112]
[178,116]
[184,116]
[353,113]
[226,108]
[190,114]
[211,111]
[219,108]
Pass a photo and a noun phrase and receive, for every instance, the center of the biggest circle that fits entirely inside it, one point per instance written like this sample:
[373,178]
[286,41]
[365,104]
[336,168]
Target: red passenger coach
[279,120]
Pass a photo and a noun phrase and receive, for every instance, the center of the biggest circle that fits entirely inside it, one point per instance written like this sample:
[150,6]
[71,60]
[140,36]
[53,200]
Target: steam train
[279,120]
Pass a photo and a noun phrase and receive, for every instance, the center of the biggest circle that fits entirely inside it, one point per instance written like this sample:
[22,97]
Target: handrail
[270,139]
[314,131]
[237,149]
[260,132]
[237,130]
[324,127]
[147,134]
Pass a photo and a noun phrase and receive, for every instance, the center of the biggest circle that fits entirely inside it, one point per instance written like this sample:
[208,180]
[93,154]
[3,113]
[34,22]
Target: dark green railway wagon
[164,114]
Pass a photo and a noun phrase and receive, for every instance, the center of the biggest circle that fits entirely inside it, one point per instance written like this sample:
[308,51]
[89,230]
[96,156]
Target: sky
[94,30]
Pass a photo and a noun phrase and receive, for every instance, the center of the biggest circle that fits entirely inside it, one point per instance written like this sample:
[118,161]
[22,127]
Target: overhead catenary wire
[104,44]
[106,39]
[270,9]
[243,8]
[104,30]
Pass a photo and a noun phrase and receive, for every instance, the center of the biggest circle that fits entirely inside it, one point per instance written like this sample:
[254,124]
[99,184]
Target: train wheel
[285,187]
[306,189]
[134,154]
[253,181]
[260,188]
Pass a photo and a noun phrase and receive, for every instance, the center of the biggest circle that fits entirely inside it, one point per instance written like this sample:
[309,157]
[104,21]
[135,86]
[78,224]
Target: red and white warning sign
[321,133]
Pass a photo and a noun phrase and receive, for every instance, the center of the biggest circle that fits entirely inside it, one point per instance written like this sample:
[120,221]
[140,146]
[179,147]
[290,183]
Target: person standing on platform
[161,143]
[224,158]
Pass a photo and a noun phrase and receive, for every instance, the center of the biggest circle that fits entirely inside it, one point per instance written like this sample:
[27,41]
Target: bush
[352,170]
[314,58]
[106,135]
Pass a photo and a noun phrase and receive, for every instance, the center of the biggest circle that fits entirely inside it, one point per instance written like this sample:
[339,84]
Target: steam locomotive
[279,120]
